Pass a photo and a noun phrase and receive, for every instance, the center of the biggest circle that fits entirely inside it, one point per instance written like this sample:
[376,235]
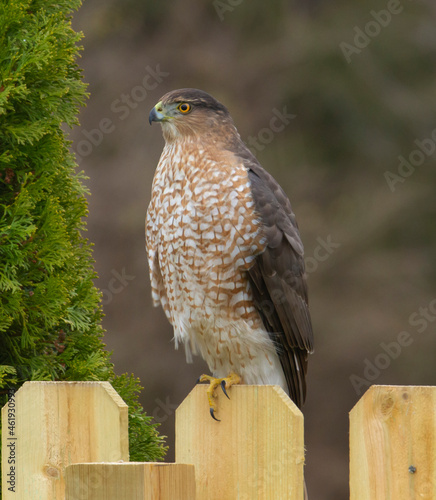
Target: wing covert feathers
[279,283]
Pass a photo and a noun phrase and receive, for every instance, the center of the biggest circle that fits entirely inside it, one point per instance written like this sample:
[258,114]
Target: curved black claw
[223,387]
[213,416]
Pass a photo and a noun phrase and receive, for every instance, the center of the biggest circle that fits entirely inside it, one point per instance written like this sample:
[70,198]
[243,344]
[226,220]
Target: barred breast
[203,234]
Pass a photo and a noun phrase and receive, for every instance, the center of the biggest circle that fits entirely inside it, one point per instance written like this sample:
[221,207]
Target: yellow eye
[184,107]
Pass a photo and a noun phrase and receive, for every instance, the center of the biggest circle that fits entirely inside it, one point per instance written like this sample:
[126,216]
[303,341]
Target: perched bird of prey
[224,251]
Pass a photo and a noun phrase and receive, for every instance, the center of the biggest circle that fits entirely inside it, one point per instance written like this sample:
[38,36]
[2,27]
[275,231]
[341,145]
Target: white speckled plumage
[202,235]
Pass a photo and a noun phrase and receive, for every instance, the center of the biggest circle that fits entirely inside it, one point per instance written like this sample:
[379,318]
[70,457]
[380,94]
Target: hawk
[224,251]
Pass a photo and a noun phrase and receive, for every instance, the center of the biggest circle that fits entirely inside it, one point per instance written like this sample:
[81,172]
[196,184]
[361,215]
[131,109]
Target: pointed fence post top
[50,385]
[392,443]
[257,395]
[385,399]
[256,450]
[54,424]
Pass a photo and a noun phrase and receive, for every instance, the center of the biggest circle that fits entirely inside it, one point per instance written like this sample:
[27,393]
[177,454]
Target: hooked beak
[156,114]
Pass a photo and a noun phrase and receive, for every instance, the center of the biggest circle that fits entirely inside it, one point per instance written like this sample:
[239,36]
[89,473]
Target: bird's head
[187,112]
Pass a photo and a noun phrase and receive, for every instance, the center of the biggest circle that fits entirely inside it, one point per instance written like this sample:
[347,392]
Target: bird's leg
[225,384]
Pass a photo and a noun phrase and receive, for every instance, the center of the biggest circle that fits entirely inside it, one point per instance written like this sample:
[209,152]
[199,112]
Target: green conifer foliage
[50,311]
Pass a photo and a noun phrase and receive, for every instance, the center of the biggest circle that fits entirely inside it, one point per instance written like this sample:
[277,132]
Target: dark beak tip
[150,117]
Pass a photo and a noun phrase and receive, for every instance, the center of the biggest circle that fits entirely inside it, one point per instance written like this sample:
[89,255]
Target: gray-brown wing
[278,280]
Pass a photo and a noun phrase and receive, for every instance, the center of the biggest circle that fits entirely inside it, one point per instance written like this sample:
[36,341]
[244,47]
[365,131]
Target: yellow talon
[214,382]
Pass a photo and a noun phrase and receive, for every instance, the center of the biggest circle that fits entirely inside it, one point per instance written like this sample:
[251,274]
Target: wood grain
[130,481]
[59,423]
[392,444]
[256,451]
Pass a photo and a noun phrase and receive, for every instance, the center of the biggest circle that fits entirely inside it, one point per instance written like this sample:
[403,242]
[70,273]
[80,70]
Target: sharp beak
[155,115]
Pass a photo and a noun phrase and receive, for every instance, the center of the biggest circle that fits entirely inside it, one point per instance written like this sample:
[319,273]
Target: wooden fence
[69,441]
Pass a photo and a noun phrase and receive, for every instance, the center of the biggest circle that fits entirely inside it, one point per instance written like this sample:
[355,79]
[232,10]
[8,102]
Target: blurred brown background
[360,78]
